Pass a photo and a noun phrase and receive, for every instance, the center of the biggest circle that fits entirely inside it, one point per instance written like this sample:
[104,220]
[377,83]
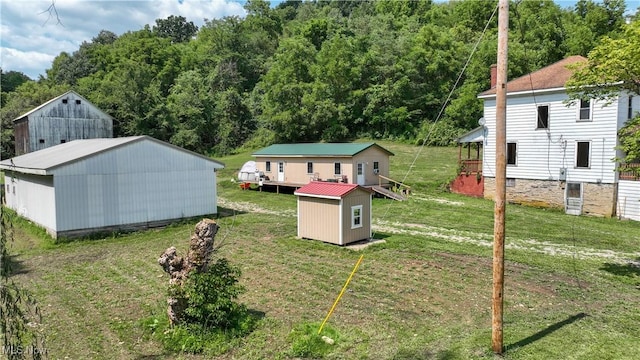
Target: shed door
[573,202]
[281,171]
[360,173]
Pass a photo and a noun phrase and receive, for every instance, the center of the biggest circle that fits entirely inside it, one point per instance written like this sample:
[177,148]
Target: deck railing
[395,185]
[630,171]
[470,166]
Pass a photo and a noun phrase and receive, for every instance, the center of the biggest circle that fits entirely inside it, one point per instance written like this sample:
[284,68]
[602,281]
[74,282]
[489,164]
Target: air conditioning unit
[376,171]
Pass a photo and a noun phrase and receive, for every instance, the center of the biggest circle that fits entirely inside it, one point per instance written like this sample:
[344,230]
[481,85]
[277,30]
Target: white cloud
[31,36]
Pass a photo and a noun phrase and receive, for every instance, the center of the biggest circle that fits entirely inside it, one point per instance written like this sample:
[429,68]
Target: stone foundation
[598,199]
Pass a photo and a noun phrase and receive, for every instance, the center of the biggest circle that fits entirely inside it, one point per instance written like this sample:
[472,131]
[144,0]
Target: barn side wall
[32,197]
[142,182]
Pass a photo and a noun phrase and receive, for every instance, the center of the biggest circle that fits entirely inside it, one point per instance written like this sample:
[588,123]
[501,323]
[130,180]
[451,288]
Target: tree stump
[178,267]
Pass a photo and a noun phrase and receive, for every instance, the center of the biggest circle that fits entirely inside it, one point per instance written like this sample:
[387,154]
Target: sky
[31,36]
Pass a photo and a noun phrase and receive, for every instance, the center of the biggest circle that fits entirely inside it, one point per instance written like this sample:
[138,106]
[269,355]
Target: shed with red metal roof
[336,213]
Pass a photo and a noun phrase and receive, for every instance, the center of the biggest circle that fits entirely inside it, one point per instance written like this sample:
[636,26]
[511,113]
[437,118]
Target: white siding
[629,199]
[542,152]
[140,182]
[32,197]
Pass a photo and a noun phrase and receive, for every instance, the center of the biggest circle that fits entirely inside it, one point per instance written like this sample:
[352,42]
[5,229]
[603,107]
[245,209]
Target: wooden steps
[388,193]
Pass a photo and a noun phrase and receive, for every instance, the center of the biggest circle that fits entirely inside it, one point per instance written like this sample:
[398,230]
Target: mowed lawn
[572,284]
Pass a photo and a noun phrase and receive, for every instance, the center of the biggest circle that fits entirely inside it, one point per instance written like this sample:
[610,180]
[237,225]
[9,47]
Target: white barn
[560,153]
[99,185]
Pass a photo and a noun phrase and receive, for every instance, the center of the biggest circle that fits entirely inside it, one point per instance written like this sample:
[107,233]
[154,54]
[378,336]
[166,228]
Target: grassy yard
[572,283]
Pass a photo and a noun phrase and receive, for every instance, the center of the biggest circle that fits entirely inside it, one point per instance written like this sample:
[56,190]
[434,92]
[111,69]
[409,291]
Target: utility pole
[501,175]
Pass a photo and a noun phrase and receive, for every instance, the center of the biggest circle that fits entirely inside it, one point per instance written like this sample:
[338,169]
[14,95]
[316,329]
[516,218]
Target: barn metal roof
[40,162]
[58,98]
[317,149]
[328,190]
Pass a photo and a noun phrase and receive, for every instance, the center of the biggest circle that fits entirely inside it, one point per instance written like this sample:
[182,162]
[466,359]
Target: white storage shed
[98,185]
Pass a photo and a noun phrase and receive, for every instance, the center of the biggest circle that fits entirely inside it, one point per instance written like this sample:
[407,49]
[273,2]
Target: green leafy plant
[307,343]
[213,319]
[19,312]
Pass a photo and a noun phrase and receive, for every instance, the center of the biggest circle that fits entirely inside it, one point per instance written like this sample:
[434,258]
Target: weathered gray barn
[336,213]
[98,185]
[59,120]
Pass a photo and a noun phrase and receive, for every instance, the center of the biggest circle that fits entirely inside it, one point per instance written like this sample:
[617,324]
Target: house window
[376,167]
[582,154]
[543,117]
[574,190]
[78,102]
[356,216]
[585,110]
[7,188]
[41,141]
[268,166]
[309,167]
[64,101]
[336,168]
[510,182]
[630,107]
[511,153]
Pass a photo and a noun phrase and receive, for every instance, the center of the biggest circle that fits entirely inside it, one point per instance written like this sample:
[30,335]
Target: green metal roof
[317,149]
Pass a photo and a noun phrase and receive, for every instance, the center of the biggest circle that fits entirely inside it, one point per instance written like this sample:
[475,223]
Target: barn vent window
[78,102]
[64,101]
[356,216]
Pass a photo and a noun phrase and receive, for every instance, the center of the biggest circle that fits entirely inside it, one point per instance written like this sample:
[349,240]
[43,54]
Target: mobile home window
[309,167]
[511,153]
[356,216]
[543,117]
[582,154]
[268,166]
[585,110]
[336,168]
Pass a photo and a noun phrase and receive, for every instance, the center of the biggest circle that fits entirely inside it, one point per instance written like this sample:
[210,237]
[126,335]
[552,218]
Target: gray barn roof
[58,98]
[42,161]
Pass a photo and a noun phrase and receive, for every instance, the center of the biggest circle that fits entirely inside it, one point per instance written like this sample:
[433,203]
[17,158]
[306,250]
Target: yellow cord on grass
[341,292]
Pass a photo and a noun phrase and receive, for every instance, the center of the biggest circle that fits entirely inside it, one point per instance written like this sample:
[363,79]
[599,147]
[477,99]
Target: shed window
[512,153]
[78,102]
[356,216]
[64,101]
[585,110]
[268,166]
[337,168]
[63,141]
[41,141]
[582,154]
[309,167]
[376,167]
[543,117]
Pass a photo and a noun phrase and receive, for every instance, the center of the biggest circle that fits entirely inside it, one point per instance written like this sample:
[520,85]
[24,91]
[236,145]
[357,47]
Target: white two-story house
[560,153]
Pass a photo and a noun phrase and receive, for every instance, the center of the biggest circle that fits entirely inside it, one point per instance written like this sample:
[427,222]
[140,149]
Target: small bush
[213,320]
[307,343]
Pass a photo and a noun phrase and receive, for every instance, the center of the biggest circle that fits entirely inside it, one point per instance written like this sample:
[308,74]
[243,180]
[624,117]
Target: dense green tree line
[313,70]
